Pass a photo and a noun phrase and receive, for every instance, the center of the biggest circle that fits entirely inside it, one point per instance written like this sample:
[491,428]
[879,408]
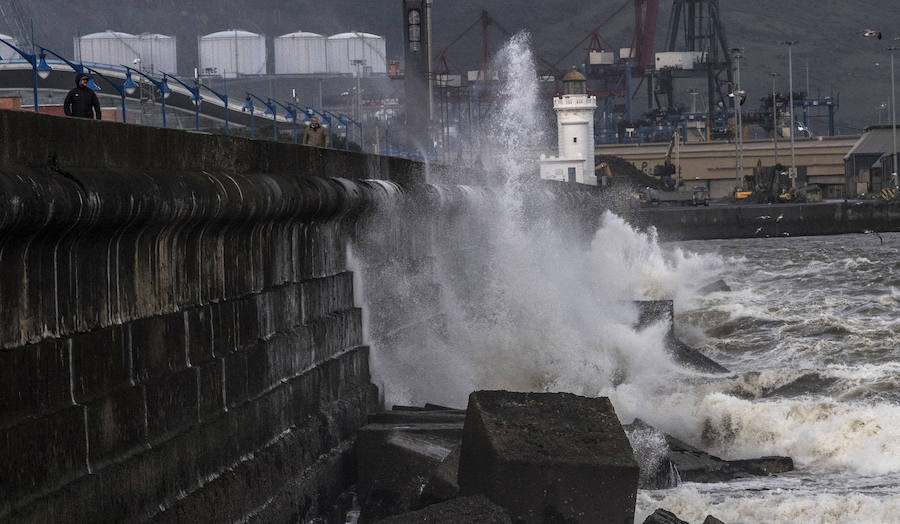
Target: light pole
[737,93]
[39,67]
[119,87]
[195,96]
[790,44]
[224,98]
[774,118]
[270,110]
[289,112]
[359,63]
[894,180]
[343,122]
[161,85]
[248,106]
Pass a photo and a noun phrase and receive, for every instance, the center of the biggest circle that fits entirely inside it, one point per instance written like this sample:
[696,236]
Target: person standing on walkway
[315,134]
[82,101]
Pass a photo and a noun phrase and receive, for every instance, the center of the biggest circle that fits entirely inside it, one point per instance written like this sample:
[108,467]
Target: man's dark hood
[78,78]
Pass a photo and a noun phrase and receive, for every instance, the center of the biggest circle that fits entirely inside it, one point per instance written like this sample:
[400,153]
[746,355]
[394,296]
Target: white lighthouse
[575,131]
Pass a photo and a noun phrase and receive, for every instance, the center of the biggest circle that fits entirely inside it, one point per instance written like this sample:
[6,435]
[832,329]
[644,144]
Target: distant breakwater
[771,220]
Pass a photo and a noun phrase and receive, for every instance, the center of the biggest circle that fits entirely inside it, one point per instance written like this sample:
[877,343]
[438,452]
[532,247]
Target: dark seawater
[811,329]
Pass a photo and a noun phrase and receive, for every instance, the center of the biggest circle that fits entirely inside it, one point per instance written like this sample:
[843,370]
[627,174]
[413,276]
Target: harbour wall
[774,220]
[180,338]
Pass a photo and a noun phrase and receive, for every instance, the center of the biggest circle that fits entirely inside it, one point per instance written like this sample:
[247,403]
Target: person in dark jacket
[315,134]
[82,101]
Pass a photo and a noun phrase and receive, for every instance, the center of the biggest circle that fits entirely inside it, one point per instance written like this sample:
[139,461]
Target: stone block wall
[179,339]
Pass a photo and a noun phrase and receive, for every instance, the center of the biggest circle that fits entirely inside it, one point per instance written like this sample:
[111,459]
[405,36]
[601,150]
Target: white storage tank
[5,52]
[231,53]
[158,53]
[300,53]
[344,48]
[108,47]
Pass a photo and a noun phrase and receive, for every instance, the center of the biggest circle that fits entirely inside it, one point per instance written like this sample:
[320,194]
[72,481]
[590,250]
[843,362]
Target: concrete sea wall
[753,221]
[179,339]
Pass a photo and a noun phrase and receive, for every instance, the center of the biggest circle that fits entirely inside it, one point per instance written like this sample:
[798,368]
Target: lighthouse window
[414,29]
[575,139]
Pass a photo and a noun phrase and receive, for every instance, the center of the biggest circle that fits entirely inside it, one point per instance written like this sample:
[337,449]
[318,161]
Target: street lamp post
[270,110]
[894,180]
[739,132]
[790,44]
[340,119]
[774,118]
[195,96]
[289,112]
[39,67]
[359,128]
[119,87]
[248,106]
[162,86]
[223,97]
[359,63]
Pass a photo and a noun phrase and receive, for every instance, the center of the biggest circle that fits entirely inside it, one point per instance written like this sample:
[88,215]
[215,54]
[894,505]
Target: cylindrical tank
[158,53]
[108,47]
[7,53]
[300,53]
[231,53]
[344,48]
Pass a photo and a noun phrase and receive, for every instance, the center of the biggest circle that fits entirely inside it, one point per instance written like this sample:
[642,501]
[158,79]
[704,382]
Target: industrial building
[870,162]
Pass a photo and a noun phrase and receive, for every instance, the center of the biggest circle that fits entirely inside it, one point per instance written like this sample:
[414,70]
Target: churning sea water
[811,330]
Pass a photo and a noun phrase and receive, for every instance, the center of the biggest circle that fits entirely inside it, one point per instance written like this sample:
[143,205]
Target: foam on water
[813,367]
[795,500]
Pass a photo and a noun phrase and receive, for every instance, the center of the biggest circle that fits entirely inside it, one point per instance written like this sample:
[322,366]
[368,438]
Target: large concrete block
[41,453]
[172,402]
[476,509]
[33,379]
[200,335]
[158,345]
[101,362]
[396,460]
[116,424]
[224,328]
[212,389]
[548,457]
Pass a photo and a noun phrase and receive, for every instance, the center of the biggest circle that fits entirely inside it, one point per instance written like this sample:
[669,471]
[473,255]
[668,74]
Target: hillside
[839,59]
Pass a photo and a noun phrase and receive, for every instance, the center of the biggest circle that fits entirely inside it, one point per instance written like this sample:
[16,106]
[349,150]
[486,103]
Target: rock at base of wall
[661,516]
[650,311]
[695,465]
[719,286]
[398,455]
[476,509]
[548,457]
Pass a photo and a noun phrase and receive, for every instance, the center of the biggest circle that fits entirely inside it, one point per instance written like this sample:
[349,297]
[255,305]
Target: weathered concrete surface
[178,334]
[398,453]
[664,310]
[548,457]
[476,509]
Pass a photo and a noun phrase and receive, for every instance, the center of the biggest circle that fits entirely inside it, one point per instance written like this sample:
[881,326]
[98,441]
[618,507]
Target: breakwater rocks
[526,457]
[542,457]
[681,462]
